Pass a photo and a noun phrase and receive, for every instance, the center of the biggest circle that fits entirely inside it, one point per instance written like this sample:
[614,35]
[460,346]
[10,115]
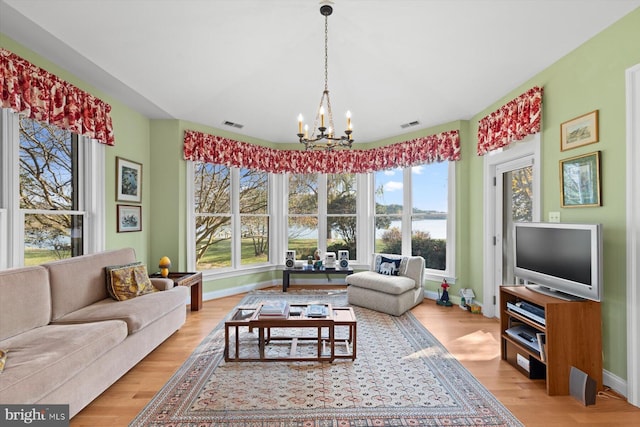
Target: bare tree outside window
[49,195]
[214,213]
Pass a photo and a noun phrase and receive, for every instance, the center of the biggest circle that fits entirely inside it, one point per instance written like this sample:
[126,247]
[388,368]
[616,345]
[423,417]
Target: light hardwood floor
[471,338]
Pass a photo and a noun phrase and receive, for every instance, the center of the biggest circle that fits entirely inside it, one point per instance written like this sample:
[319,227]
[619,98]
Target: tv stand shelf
[573,338]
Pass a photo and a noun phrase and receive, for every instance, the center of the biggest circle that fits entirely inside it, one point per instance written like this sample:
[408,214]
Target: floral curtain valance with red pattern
[45,97]
[511,122]
[207,148]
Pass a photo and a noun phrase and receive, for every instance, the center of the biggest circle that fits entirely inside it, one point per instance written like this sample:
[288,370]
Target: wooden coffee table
[326,344]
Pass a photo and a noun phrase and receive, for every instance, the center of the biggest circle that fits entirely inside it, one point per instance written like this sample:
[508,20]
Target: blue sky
[429,186]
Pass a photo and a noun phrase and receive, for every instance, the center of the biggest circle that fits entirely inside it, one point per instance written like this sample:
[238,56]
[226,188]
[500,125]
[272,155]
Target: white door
[512,193]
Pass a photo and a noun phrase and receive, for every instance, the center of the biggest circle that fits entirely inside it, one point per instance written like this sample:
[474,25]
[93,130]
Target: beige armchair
[393,285]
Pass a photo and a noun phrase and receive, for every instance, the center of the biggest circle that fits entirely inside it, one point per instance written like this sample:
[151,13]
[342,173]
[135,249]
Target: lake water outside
[437,228]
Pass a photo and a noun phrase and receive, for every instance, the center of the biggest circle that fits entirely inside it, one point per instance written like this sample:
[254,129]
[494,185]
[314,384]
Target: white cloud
[390,172]
[417,170]
[393,186]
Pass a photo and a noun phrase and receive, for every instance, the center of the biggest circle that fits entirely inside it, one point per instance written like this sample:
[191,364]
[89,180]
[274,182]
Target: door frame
[528,147]
[633,233]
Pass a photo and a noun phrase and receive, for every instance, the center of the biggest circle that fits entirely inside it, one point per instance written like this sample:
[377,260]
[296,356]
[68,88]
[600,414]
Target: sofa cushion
[43,358]
[80,281]
[25,300]
[128,281]
[137,313]
[394,285]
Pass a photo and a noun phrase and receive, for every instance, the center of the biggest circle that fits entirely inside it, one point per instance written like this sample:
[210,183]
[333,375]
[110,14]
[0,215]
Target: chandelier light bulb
[300,119]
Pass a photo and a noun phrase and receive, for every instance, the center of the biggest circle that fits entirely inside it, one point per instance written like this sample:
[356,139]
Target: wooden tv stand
[573,332]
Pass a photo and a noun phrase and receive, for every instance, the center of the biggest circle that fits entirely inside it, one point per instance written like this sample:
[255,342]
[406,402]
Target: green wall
[589,78]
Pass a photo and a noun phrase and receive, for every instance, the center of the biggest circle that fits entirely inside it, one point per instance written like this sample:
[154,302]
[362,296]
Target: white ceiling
[260,62]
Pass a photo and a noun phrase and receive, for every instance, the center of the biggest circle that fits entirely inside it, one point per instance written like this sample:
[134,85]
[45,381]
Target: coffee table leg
[261,342]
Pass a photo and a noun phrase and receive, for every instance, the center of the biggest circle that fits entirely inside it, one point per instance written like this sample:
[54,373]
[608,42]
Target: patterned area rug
[402,376]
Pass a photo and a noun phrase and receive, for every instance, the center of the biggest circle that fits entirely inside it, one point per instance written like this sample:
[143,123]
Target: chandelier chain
[316,139]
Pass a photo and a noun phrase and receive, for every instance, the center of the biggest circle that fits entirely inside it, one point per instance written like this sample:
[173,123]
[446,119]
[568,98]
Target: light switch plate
[554,216]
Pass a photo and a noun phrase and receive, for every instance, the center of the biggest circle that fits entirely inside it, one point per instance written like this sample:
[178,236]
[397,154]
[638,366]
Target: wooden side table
[193,280]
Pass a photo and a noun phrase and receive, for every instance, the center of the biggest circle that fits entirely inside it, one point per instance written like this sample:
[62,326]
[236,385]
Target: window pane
[254,190]
[303,235]
[388,191]
[341,234]
[303,194]
[429,213]
[388,235]
[213,241]
[341,194]
[254,243]
[212,188]
[388,198]
[48,160]
[51,237]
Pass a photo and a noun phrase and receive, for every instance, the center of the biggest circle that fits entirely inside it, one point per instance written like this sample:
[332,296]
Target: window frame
[407,216]
[91,197]
[235,225]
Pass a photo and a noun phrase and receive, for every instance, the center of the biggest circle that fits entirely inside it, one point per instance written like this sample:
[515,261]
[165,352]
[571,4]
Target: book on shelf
[274,310]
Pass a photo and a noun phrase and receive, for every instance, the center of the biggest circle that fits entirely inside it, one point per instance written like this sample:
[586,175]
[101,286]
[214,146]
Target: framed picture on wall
[582,130]
[580,181]
[129,218]
[128,181]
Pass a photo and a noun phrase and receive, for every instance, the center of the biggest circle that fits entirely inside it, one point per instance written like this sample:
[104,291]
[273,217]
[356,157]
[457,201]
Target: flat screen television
[563,260]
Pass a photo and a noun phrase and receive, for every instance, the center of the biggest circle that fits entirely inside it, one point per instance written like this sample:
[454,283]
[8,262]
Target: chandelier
[323,137]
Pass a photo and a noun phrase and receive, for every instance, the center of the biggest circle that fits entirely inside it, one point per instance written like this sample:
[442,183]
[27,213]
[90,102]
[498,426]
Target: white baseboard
[614,382]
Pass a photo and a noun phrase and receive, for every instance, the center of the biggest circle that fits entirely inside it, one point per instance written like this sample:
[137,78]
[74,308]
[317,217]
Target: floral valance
[45,97]
[207,148]
[512,122]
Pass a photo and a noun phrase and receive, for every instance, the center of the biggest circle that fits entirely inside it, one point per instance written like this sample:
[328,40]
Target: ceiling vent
[410,124]
[232,124]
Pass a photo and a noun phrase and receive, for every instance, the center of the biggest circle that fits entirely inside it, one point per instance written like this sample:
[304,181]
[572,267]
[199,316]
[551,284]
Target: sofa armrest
[162,283]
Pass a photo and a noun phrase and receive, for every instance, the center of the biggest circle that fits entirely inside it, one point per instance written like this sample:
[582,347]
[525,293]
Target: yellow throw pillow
[128,281]
[3,359]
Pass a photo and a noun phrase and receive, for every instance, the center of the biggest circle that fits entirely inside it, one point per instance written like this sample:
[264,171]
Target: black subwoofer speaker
[582,387]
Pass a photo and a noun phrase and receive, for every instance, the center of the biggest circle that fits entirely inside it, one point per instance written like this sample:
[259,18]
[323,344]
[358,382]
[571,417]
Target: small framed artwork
[128,181]
[580,181]
[129,218]
[582,130]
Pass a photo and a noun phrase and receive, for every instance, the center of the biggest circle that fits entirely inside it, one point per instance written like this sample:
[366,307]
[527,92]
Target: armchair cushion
[381,283]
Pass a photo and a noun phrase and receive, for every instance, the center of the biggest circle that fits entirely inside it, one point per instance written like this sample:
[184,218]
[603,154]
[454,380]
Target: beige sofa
[393,285]
[67,339]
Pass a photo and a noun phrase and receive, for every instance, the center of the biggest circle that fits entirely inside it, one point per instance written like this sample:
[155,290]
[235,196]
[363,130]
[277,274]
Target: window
[322,202]
[231,208]
[58,209]
[245,218]
[303,214]
[341,213]
[426,229]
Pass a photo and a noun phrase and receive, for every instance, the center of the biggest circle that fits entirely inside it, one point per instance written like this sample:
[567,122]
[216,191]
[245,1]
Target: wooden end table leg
[196,296]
